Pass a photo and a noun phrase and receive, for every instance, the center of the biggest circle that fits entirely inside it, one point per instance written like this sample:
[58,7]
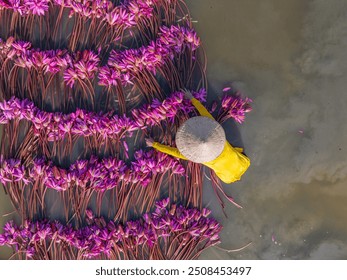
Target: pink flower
[70,76]
[21,46]
[86,65]
[123,16]
[30,252]
[101,237]
[62,58]
[37,7]
[108,76]
[15,5]
[201,95]
[89,214]
[7,110]
[112,17]
[42,119]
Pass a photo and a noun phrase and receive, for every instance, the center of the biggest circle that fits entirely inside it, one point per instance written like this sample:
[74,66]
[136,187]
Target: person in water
[202,140]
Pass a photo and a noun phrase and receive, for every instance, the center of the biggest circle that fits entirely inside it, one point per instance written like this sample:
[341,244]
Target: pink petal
[273,238]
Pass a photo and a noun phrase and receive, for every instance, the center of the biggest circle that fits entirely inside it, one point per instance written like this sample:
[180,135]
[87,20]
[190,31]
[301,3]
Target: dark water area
[7,214]
[289,58]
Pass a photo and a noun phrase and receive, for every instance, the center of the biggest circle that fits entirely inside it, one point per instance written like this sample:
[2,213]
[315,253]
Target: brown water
[289,57]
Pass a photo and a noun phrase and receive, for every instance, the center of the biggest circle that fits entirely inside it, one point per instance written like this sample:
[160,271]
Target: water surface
[288,56]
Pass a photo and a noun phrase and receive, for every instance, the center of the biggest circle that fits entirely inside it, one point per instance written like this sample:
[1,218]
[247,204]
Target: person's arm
[196,103]
[168,150]
[201,109]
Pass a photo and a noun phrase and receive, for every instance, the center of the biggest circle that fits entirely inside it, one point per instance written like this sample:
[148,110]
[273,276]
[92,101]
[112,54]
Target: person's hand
[149,142]
[187,94]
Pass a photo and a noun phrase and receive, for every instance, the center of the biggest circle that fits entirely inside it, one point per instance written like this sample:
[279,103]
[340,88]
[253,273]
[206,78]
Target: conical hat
[200,139]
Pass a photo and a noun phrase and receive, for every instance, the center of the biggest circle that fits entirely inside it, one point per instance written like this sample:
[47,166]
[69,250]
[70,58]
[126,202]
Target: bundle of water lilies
[170,232]
[84,85]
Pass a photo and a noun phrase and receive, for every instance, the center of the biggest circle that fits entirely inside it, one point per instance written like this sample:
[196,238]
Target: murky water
[7,214]
[289,57]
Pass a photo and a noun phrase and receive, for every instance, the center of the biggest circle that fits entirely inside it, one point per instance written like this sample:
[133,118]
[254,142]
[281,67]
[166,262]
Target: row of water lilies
[170,226]
[109,125]
[120,67]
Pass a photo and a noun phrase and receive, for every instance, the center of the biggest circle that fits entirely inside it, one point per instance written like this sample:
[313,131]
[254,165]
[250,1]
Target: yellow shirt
[229,166]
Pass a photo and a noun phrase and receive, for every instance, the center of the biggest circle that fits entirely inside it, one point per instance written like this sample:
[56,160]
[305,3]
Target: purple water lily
[99,175]
[121,68]
[84,123]
[36,7]
[233,106]
[125,15]
[101,238]
[172,40]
